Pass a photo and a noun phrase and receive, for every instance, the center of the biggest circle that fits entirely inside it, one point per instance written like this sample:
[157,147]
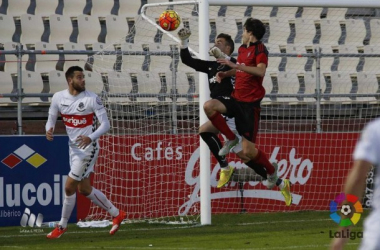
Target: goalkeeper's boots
[225,176]
[228,145]
[117,221]
[285,191]
[57,232]
[272,178]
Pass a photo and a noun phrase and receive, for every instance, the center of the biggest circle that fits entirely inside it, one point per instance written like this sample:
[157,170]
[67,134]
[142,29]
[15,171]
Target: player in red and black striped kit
[223,48]
[244,103]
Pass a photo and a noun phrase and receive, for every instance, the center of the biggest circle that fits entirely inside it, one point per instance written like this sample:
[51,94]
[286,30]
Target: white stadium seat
[61,28]
[48,62]
[371,63]
[57,81]
[286,12]
[117,29]
[32,28]
[94,81]
[74,59]
[336,13]
[6,87]
[11,60]
[262,13]
[288,83]
[103,62]
[88,29]
[305,31]
[32,83]
[119,83]
[73,8]
[330,31]
[375,31]
[7,27]
[295,64]
[355,32]
[341,83]
[102,8]
[45,7]
[311,13]
[129,8]
[279,31]
[132,62]
[367,84]
[161,62]
[348,64]
[148,83]
[17,7]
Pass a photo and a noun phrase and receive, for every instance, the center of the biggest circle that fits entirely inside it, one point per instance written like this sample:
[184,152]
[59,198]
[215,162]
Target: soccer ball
[169,20]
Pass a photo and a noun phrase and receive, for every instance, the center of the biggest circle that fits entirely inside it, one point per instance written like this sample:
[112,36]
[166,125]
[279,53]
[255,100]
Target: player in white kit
[366,155]
[80,110]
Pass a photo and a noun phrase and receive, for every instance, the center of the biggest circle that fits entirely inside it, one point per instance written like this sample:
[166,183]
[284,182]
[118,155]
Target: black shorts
[247,116]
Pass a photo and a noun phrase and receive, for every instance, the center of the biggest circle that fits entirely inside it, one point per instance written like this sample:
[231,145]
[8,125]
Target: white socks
[101,200]
[67,208]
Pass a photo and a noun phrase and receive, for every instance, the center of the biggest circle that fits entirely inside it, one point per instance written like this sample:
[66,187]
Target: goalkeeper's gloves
[217,53]
[184,35]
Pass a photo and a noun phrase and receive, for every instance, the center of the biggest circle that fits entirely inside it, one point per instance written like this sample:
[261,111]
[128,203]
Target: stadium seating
[45,63]
[17,7]
[295,64]
[347,64]
[305,31]
[32,28]
[356,32]
[129,8]
[73,8]
[88,29]
[286,12]
[148,83]
[236,11]
[157,61]
[7,27]
[375,32]
[117,29]
[278,33]
[132,62]
[6,87]
[94,81]
[105,62]
[45,8]
[10,65]
[311,13]
[60,29]
[336,13]
[288,84]
[368,83]
[57,81]
[223,24]
[182,85]
[101,8]
[371,64]
[74,59]
[341,84]
[262,13]
[268,85]
[119,83]
[330,31]
[32,83]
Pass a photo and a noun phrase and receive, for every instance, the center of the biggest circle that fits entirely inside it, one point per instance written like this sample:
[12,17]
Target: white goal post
[330,105]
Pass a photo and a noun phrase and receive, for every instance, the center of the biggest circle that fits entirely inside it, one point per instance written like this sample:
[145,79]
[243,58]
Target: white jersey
[78,112]
[368,149]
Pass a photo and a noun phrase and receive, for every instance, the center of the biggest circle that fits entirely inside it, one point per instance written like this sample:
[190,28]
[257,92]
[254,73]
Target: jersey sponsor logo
[77,121]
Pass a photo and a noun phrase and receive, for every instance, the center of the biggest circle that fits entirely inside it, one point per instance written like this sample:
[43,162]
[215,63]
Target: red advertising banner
[158,175]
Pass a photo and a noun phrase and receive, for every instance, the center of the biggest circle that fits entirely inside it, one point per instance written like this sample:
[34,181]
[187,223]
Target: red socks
[219,123]
[262,160]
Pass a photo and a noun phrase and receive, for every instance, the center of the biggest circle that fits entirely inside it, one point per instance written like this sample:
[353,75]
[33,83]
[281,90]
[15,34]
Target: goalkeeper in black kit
[223,48]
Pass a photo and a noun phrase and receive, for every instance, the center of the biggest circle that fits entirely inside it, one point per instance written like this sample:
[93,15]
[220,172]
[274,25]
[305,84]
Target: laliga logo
[297,170]
[345,210]
[350,214]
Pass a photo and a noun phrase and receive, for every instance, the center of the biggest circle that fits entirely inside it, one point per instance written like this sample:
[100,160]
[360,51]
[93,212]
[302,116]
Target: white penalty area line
[272,222]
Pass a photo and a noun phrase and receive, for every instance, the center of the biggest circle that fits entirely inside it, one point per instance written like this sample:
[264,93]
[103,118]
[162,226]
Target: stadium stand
[368,82]
[61,29]
[311,13]
[7,27]
[102,8]
[119,83]
[45,8]
[375,31]
[355,32]
[262,13]
[117,28]
[73,59]
[371,64]
[129,8]
[287,84]
[32,28]
[32,83]
[45,63]
[88,29]
[94,81]
[132,62]
[57,81]
[73,8]
[6,86]
[305,31]
[105,63]
[17,7]
[10,65]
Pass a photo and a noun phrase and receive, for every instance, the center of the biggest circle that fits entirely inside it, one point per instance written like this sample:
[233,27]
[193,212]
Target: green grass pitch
[296,230]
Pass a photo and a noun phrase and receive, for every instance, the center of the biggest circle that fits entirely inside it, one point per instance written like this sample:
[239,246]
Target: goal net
[322,86]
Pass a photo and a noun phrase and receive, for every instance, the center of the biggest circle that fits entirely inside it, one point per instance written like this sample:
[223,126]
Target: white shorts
[82,161]
[231,124]
[371,234]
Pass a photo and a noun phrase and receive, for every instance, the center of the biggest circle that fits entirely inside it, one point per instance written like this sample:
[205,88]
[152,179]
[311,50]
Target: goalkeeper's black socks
[213,142]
